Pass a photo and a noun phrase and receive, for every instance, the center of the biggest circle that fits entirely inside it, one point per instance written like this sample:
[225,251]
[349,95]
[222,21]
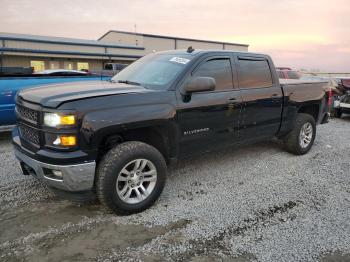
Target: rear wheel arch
[311,109]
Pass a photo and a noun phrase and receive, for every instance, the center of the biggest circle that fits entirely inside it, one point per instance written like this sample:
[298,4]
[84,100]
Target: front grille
[27,114]
[29,134]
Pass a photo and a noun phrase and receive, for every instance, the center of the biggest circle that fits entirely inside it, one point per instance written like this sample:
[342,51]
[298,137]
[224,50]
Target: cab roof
[207,51]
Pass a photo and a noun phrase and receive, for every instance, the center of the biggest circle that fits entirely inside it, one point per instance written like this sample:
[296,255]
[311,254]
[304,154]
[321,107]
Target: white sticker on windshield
[179,60]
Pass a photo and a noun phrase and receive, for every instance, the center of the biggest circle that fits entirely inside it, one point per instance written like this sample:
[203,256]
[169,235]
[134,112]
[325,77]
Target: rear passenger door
[262,98]
[210,119]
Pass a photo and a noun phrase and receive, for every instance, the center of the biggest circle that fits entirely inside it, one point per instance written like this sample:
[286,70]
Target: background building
[45,52]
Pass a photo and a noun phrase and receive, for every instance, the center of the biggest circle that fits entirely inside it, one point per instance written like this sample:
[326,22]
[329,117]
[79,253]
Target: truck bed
[297,93]
[304,90]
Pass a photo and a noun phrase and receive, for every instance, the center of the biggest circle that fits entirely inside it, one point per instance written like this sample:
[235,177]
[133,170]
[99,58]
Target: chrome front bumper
[75,178]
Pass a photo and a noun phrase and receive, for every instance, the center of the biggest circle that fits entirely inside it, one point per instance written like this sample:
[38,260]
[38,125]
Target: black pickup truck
[114,139]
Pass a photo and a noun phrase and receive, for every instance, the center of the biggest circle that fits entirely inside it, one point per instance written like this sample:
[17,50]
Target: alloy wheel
[306,134]
[136,181]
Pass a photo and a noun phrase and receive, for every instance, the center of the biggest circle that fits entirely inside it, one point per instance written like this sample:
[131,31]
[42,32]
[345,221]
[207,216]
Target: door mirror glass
[199,84]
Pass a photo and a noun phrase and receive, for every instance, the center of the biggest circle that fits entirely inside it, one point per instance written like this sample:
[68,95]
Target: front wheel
[300,140]
[130,177]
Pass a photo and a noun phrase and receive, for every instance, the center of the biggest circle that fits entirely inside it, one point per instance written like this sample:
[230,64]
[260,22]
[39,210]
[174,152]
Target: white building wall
[53,47]
[36,50]
[184,44]
[160,43]
[122,39]
[153,44]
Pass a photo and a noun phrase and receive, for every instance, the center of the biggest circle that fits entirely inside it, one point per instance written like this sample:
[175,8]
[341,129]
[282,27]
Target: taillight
[330,96]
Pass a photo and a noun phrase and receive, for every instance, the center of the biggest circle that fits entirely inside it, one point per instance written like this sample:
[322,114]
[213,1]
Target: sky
[302,34]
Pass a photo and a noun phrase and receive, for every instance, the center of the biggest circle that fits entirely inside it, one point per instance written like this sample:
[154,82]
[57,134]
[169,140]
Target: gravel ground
[256,203]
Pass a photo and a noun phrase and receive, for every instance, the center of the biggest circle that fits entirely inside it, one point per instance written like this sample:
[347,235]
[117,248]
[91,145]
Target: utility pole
[2,56]
[135,31]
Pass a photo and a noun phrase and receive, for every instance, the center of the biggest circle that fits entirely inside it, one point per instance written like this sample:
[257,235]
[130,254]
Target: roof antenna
[190,49]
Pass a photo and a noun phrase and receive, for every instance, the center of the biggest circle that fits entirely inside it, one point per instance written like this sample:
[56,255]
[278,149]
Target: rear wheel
[300,140]
[130,177]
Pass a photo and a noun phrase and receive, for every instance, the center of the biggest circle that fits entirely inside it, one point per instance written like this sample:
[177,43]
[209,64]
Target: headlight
[54,120]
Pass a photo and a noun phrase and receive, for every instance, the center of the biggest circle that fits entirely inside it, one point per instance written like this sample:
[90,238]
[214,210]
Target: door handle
[275,98]
[233,102]
[232,99]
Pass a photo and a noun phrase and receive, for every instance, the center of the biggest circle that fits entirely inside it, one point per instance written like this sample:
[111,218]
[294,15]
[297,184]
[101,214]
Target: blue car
[9,86]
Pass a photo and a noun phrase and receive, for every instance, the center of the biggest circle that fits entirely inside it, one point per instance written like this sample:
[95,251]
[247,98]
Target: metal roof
[58,52]
[172,37]
[61,40]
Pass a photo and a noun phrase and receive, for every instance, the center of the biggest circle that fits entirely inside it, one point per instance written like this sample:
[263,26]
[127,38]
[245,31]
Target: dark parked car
[15,71]
[115,139]
[115,66]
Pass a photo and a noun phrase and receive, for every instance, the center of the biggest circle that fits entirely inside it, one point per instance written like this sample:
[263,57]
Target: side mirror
[199,84]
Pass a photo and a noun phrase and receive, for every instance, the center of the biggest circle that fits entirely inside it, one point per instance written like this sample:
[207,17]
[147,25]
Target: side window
[254,73]
[68,65]
[220,70]
[293,75]
[82,66]
[37,65]
[108,67]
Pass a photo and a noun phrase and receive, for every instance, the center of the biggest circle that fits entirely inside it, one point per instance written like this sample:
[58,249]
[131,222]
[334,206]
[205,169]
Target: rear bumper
[74,178]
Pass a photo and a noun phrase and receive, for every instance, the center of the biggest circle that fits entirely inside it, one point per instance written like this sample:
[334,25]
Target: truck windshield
[155,71]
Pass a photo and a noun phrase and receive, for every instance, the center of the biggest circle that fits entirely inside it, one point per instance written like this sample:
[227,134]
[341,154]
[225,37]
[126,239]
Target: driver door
[210,119]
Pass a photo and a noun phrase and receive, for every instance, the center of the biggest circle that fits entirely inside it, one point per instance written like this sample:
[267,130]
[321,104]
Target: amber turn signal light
[67,120]
[63,140]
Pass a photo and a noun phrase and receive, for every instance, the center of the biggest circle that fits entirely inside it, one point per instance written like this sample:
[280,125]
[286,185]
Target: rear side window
[254,73]
[280,75]
[220,70]
[293,75]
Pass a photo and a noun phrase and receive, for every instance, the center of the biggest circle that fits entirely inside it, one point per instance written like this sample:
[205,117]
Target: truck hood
[55,94]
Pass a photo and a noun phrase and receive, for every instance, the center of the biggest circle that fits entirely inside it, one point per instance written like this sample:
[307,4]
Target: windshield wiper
[129,82]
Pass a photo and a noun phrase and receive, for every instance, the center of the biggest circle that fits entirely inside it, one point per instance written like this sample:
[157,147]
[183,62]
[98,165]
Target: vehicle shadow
[6,135]
[232,154]
[346,117]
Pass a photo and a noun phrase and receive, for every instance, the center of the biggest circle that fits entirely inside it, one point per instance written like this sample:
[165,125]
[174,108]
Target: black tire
[292,141]
[337,113]
[110,167]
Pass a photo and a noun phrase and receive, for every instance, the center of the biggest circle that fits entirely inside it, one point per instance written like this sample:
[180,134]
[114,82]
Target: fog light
[68,140]
[57,173]
[65,141]
[53,174]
